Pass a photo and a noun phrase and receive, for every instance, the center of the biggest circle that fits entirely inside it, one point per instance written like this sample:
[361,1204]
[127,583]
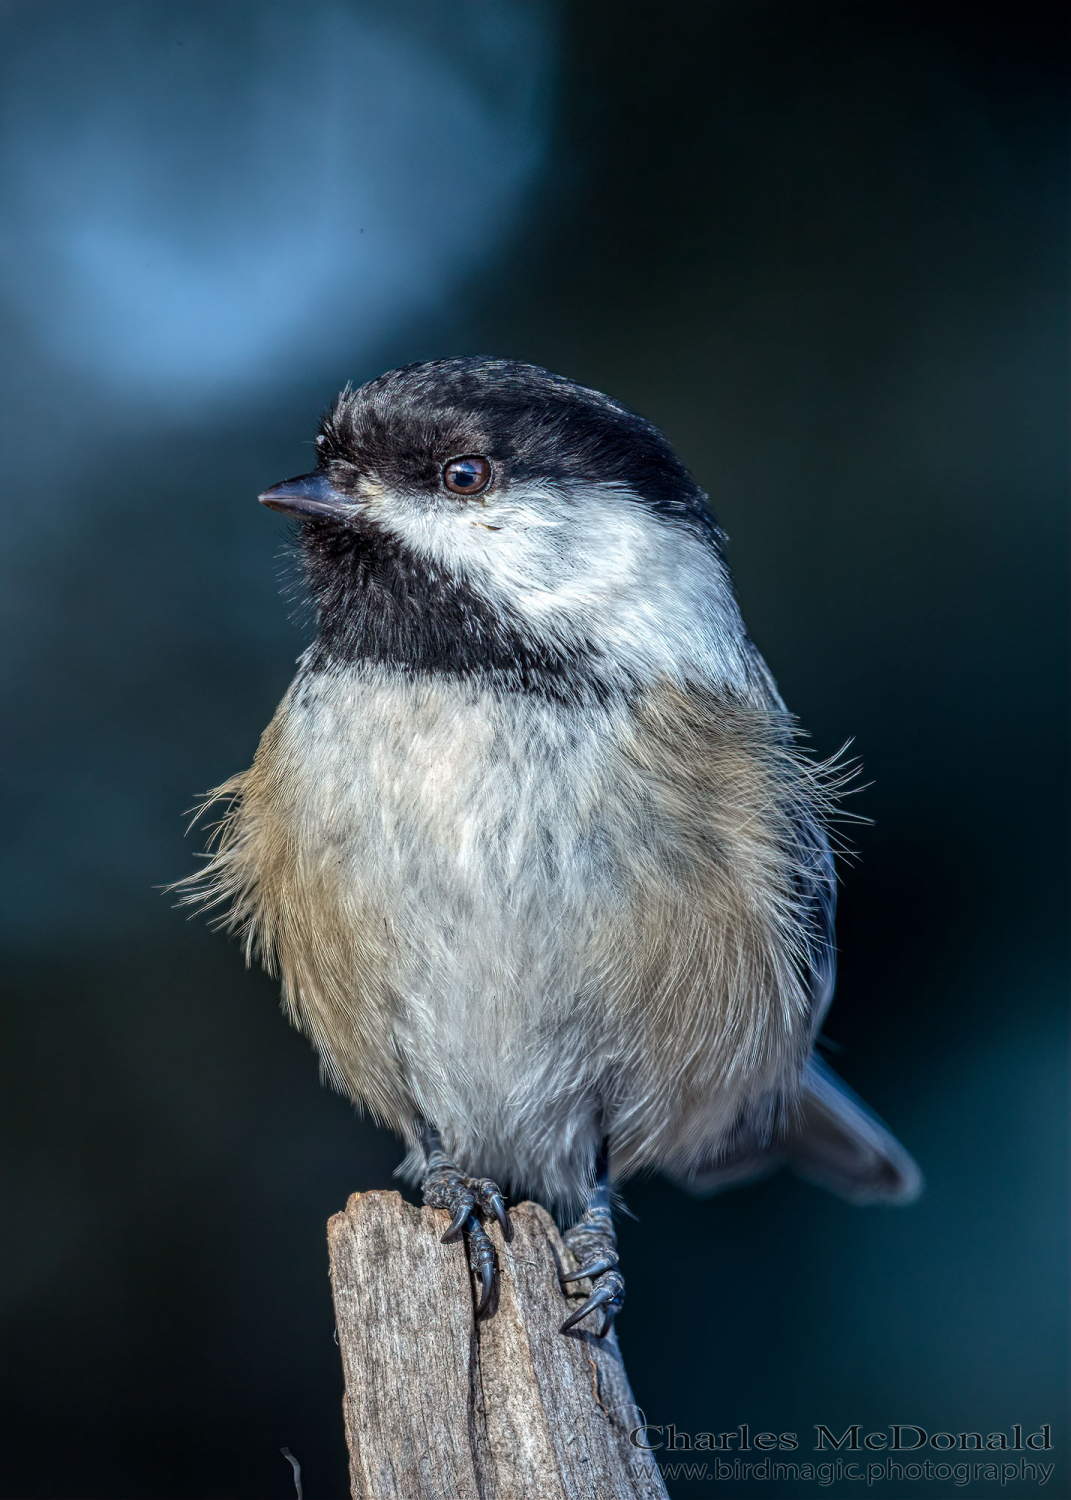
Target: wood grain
[442,1407]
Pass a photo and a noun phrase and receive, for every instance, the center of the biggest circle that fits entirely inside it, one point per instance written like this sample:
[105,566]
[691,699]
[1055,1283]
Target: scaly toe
[482,1259]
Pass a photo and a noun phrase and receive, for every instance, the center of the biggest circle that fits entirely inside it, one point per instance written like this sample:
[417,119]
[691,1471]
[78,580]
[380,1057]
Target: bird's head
[484,516]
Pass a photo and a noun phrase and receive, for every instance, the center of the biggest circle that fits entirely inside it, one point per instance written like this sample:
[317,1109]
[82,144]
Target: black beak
[307,495]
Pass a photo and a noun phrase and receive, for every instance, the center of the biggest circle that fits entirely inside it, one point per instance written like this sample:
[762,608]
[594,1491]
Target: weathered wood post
[507,1408]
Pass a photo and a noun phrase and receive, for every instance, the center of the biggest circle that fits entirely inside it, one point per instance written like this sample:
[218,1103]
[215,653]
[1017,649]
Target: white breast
[475,826]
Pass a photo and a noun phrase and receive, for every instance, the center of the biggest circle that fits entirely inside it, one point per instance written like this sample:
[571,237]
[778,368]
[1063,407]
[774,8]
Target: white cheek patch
[590,563]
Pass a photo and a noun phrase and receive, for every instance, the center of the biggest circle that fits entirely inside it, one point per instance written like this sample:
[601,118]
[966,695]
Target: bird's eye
[469,475]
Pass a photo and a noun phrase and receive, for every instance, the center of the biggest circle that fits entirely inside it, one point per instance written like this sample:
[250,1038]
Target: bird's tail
[832,1140]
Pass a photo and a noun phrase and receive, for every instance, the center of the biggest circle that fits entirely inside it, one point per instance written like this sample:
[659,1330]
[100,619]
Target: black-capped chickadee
[530,839]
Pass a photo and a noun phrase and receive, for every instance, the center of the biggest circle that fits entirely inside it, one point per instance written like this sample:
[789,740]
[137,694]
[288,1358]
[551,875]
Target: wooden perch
[506,1408]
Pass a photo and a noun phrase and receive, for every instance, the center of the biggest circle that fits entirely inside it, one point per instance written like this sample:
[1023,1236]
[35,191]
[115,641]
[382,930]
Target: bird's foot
[468,1200]
[594,1244]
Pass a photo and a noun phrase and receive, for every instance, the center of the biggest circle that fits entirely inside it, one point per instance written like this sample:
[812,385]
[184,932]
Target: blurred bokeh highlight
[823,246]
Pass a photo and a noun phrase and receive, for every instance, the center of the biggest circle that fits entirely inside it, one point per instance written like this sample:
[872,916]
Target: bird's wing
[827,1135]
[832,1140]
[816,884]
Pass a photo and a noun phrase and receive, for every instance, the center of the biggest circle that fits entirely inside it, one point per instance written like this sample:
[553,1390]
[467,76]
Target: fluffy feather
[534,923]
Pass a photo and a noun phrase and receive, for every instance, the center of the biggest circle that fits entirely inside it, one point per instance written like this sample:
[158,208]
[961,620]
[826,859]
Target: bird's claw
[468,1199]
[445,1186]
[594,1245]
[609,1294]
[594,1269]
[497,1206]
[462,1214]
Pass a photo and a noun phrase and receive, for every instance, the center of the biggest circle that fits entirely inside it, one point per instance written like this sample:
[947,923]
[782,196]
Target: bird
[532,842]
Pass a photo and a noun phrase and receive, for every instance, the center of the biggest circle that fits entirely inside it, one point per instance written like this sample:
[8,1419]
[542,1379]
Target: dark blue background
[823,246]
